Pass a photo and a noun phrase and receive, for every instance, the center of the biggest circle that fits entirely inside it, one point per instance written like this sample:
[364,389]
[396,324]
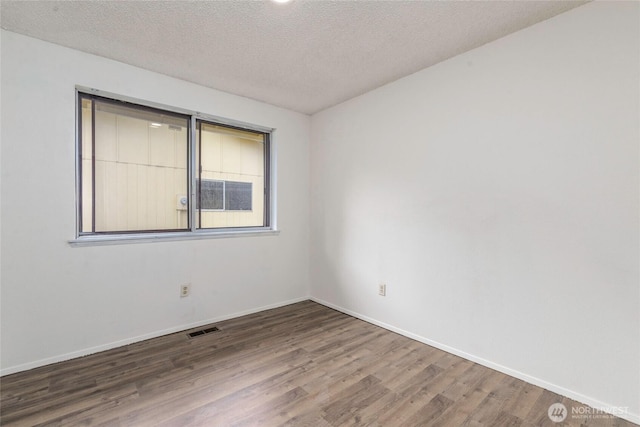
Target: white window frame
[194,233]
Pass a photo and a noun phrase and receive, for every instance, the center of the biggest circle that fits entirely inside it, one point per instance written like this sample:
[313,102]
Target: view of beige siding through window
[140,168]
[134,171]
[231,178]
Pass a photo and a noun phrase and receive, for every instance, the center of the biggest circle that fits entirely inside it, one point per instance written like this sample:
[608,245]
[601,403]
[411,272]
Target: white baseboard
[155,334]
[634,418]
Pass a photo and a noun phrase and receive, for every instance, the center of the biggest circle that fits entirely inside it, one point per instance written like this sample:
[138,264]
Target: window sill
[123,239]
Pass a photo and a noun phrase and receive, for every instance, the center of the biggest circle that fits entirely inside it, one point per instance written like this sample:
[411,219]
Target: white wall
[59,301]
[497,196]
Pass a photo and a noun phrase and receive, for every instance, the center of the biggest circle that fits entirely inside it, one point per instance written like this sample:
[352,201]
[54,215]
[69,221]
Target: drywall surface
[496,195]
[60,301]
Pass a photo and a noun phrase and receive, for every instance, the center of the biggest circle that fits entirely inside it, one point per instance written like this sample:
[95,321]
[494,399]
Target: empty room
[320,213]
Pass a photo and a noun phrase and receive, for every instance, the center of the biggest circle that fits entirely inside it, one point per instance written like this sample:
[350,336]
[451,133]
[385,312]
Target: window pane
[136,173]
[236,157]
[86,156]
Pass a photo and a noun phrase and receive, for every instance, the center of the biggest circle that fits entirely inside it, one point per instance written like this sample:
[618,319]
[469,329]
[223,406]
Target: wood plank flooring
[299,365]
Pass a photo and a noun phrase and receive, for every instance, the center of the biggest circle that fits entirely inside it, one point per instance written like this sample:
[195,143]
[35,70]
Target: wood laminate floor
[299,365]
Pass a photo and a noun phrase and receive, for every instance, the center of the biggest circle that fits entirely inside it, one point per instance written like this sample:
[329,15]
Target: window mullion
[224,195]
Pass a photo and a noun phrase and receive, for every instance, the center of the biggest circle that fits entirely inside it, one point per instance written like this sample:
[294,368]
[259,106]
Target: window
[237,196]
[210,195]
[231,176]
[224,195]
[144,169]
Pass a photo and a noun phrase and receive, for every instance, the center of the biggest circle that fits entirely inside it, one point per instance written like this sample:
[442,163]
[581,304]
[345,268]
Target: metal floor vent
[202,332]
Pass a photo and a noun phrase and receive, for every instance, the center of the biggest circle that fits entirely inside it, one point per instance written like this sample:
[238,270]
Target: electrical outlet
[185,290]
[382,289]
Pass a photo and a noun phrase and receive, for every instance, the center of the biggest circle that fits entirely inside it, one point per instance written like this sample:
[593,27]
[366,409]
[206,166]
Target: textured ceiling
[304,55]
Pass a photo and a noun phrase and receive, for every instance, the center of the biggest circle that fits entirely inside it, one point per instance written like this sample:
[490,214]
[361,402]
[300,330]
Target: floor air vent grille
[202,332]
